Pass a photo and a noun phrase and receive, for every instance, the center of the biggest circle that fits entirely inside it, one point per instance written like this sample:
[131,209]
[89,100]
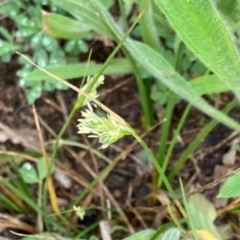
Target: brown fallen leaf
[25,136]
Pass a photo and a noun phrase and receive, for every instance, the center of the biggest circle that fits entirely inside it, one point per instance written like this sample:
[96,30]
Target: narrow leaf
[171,233]
[208,84]
[118,65]
[55,25]
[142,235]
[85,11]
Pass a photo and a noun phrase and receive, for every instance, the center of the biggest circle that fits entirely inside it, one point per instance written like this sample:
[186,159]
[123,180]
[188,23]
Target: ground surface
[128,184]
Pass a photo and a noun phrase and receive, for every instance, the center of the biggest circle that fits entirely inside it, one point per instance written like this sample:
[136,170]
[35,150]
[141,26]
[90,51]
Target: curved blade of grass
[161,152]
[173,141]
[7,203]
[117,65]
[55,25]
[203,30]
[208,84]
[85,11]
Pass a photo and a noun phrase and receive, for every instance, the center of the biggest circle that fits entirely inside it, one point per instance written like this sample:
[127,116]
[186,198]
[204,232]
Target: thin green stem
[157,166]
[174,140]
[165,130]
[168,115]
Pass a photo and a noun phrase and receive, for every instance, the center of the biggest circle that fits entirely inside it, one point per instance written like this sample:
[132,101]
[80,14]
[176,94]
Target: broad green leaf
[142,235]
[34,93]
[10,9]
[86,12]
[27,22]
[171,233]
[6,47]
[5,33]
[36,40]
[70,45]
[41,57]
[82,46]
[26,32]
[203,30]
[203,214]
[197,67]
[93,238]
[231,188]
[117,65]
[57,58]
[163,229]
[108,3]
[28,173]
[6,57]
[41,168]
[55,25]
[50,85]
[208,84]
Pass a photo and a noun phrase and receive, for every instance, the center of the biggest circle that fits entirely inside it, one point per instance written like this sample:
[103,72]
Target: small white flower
[79,211]
[93,92]
[107,129]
